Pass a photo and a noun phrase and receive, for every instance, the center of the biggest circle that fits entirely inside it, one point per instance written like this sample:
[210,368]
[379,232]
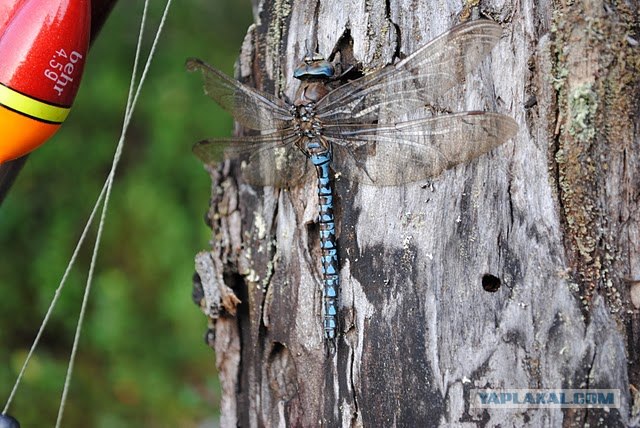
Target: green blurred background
[142,360]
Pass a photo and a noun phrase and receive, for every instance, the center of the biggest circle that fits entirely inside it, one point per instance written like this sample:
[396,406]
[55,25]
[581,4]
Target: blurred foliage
[142,361]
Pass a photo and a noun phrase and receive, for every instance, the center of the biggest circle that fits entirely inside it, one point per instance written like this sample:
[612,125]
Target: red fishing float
[43,47]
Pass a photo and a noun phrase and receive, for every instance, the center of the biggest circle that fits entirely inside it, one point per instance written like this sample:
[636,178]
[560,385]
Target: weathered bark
[550,219]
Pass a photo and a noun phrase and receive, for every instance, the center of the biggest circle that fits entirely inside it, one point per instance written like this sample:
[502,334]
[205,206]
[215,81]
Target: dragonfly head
[314,67]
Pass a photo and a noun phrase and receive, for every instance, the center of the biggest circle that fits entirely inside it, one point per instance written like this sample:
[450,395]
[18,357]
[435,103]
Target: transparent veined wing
[251,108]
[266,160]
[393,154]
[415,81]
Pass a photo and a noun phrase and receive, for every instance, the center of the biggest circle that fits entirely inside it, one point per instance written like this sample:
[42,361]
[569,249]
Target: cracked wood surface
[418,329]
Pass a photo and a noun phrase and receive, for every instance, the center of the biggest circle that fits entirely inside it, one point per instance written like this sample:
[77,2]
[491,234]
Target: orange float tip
[43,46]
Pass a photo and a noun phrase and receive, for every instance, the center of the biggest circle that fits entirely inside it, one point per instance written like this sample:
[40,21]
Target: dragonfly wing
[266,160]
[251,108]
[415,81]
[404,152]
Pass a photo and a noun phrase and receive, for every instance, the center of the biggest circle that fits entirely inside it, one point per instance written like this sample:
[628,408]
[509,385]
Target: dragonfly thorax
[309,130]
[305,123]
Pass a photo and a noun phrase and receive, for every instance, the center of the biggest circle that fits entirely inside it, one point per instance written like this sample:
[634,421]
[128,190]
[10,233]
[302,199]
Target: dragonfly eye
[314,68]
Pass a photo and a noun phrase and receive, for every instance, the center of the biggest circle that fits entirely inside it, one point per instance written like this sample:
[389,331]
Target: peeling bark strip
[597,79]
[597,69]
[553,211]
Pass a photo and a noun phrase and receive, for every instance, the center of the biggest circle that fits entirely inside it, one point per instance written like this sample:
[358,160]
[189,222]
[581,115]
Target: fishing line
[102,200]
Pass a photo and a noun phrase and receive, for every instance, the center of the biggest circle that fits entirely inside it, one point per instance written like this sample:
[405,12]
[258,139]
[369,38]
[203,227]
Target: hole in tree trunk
[490,283]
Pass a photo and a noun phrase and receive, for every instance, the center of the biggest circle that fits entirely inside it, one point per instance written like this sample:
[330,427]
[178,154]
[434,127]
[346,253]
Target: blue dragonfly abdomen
[328,246]
[359,129]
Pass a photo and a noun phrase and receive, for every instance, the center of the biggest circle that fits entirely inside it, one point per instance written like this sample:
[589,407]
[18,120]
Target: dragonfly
[358,129]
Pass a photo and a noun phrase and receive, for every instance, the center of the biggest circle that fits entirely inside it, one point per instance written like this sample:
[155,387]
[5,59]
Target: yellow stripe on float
[32,107]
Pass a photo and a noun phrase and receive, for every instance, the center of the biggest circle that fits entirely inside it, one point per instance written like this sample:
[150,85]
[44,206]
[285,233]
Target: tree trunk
[517,270]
